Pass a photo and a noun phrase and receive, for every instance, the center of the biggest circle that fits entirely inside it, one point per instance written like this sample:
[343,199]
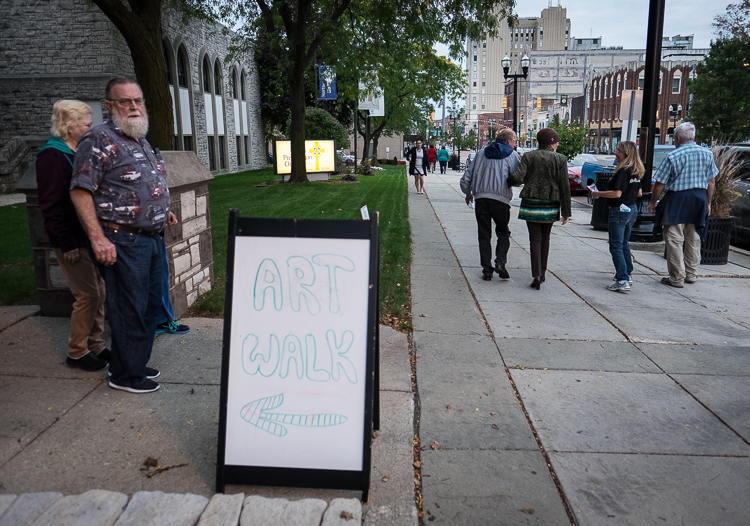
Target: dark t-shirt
[628,184]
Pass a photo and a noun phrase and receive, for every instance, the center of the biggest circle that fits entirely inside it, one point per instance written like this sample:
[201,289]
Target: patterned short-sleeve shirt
[689,166]
[126,177]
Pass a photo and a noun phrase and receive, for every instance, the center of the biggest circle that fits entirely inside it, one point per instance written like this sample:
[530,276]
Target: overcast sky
[626,23]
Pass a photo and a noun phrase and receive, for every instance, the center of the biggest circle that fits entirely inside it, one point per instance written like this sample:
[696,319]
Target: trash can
[600,212]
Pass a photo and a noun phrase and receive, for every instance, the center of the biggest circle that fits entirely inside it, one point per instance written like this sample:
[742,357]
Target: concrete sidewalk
[574,404]
[73,450]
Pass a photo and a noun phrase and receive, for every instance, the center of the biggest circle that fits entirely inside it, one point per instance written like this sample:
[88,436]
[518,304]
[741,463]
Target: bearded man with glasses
[119,189]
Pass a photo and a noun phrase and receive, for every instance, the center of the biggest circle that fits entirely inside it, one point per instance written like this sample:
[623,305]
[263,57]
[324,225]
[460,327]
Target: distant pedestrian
[119,189]
[545,195]
[418,165]
[687,175]
[486,182]
[622,192]
[432,157]
[442,157]
[54,169]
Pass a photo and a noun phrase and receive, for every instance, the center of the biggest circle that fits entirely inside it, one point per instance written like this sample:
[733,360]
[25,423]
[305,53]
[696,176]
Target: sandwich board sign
[300,336]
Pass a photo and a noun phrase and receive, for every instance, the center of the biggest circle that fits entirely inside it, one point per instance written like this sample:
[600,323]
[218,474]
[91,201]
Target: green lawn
[385,192]
[17,282]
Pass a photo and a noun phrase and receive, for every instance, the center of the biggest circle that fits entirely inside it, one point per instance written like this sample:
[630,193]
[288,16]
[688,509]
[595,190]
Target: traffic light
[546,116]
[505,103]
[522,117]
[539,103]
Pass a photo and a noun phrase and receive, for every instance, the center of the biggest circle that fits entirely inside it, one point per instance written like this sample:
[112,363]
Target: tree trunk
[297,130]
[141,30]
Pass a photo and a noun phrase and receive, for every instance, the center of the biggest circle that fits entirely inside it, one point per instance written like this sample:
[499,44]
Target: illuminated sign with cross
[320,157]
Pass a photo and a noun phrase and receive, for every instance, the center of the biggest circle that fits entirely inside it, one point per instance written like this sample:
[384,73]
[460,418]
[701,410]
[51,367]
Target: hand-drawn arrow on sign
[258,414]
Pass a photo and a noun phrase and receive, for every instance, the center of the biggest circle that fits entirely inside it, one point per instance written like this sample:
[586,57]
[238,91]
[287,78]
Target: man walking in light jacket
[486,183]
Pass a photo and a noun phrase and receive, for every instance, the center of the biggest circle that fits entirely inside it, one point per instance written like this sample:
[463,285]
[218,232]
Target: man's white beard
[134,128]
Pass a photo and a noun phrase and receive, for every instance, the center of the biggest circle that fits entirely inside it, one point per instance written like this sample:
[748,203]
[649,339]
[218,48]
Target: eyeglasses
[126,103]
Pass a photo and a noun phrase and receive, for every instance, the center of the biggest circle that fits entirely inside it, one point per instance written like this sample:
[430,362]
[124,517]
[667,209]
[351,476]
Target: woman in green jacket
[545,196]
[442,158]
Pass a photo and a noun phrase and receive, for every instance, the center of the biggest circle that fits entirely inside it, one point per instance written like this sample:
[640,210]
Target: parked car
[345,158]
[575,167]
[741,206]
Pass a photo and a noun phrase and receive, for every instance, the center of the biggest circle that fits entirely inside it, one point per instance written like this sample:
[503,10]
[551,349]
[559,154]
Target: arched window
[220,114]
[184,101]
[208,104]
[182,68]
[170,80]
[606,88]
[234,83]
[206,75]
[618,84]
[641,80]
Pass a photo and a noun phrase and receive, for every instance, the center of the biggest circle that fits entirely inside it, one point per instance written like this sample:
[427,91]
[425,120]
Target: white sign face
[320,156]
[298,351]
[372,100]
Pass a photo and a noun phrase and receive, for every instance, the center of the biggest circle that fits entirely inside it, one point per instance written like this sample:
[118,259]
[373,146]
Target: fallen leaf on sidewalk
[346,515]
[151,462]
[385,479]
[435,445]
[417,464]
[495,426]
[528,511]
[449,406]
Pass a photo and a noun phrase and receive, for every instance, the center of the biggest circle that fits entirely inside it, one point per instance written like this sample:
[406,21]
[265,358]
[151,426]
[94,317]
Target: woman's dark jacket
[544,174]
[412,158]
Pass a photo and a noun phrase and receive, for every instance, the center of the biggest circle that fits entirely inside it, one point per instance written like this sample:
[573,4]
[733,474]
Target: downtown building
[486,84]
[68,49]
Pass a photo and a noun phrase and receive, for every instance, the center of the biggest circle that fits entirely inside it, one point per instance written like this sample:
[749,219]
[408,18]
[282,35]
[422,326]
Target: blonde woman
[622,193]
[54,168]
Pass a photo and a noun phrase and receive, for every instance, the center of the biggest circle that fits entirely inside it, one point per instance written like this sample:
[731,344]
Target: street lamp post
[675,111]
[525,68]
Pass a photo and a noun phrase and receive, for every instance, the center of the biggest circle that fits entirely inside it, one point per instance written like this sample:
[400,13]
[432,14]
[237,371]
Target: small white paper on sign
[365,212]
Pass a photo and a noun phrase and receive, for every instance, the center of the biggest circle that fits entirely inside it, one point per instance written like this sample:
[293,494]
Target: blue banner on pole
[327,82]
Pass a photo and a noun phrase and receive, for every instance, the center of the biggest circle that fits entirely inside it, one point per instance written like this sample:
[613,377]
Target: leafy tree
[735,23]
[572,137]
[721,91]
[319,124]
[299,30]
[139,22]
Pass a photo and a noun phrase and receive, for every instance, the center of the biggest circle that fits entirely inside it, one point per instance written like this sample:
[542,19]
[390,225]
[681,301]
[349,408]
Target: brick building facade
[603,96]
[68,49]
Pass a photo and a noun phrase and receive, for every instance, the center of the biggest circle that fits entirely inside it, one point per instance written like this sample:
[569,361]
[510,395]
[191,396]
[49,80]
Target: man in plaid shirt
[687,175]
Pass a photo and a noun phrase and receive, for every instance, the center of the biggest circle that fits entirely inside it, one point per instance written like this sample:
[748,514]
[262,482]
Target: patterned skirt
[539,210]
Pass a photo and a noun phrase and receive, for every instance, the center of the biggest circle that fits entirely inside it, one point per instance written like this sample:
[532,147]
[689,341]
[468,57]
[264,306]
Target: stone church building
[68,49]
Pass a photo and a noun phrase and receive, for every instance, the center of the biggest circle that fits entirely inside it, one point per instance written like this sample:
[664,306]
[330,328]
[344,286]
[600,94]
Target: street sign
[298,358]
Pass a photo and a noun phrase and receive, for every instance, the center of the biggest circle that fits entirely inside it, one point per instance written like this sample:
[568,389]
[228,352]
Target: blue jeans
[134,303]
[167,311]
[443,166]
[620,226]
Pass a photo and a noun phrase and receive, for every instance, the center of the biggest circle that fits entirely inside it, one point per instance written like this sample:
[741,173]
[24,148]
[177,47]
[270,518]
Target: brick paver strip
[164,509]
[93,508]
[260,511]
[222,510]
[28,507]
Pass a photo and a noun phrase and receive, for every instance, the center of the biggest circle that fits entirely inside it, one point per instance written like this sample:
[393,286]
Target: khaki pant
[683,251]
[87,319]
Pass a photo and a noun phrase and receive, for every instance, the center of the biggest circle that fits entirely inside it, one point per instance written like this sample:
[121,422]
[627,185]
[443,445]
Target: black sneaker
[105,354]
[502,272]
[487,277]
[151,373]
[88,362]
[149,386]
[172,327]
